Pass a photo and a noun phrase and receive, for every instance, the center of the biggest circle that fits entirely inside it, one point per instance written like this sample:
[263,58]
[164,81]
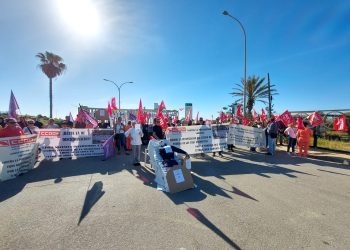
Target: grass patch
[335,145]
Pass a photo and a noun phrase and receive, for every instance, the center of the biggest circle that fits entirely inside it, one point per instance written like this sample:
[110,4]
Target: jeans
[272,145]
[291,143]
[120,141]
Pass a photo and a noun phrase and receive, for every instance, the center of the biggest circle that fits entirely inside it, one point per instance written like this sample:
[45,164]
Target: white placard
[198,139]
[246,136]
[179,177]
[17,155]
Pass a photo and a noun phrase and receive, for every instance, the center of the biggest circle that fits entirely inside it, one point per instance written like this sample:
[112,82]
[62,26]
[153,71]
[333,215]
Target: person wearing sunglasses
[11,129]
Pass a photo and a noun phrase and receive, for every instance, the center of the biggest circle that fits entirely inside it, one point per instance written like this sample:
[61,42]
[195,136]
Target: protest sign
[17,155]
[67,143]
[198,139]
[246,136]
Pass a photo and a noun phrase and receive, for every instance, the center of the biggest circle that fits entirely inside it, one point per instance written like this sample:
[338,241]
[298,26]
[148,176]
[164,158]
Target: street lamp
[119,87]
[245,57]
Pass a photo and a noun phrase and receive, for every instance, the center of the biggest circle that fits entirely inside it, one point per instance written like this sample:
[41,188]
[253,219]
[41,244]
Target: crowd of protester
[127,139]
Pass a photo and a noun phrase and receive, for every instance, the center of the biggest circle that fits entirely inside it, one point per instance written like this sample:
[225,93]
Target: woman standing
[128,138]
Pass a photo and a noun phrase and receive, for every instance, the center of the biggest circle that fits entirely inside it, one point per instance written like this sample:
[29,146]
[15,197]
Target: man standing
[272,130]
[119,135]
[135,134]
[157,130]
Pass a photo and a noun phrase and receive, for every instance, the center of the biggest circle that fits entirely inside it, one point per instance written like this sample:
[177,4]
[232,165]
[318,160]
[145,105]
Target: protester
[272,130]
[31,129]
[11,129]
[157,130]
[52,124]
[303,138]
[2,122]
[217,121]
[291,132]
[37,123]
[136,142]
[168,156]
[119,135]
[128,138]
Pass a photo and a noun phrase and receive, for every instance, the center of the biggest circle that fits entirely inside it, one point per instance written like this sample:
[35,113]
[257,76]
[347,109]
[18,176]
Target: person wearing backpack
[272,131]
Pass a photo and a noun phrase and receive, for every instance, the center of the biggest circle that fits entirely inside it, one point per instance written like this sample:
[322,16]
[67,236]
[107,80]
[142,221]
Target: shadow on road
[91,198]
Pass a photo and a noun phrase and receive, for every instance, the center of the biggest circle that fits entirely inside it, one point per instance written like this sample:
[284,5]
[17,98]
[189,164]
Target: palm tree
[256,90]
[51,65]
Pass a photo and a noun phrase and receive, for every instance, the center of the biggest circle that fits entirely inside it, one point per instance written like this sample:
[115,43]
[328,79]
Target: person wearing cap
[30,128]
[136,142]
[11,129]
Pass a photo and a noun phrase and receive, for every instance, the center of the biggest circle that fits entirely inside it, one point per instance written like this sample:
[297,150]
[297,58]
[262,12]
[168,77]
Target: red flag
[13,106]
[239,110]
[262,116]
[315,119]
[222,117]
[109,110]
[140,114]
[300,124]
[255,115]
[342,126]
[160,108]
[175,119]
[245,121]
[114,104]
[336,124]
[286,117]
[163,123]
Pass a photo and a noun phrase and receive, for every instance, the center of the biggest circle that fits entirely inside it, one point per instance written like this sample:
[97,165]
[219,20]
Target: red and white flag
[114,104]
[255,115]
[175,119]
[109,110]
[239,110]
[342,126]
[160,108]
[315,119]
[13,106]
[140,114]
[245,121]
[286,117]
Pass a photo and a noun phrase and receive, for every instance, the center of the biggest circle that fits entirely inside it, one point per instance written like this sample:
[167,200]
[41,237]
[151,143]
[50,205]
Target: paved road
[244,200]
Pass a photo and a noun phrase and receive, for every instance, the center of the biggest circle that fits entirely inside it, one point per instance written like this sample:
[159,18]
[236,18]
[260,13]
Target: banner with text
[240,135]
[17,155]
[67,143]
[198,139]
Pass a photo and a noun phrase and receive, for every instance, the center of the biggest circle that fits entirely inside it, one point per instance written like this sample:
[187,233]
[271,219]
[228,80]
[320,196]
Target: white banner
[17,155]
[240,135]
[198,139]
[67,143]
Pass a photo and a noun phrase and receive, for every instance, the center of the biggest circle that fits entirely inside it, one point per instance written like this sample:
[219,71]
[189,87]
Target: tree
[256,90]
[52,66]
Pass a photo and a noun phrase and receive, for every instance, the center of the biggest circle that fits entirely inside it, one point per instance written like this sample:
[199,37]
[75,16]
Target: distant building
[189,108]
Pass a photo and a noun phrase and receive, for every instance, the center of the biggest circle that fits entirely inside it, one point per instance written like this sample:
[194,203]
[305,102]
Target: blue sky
[177,51]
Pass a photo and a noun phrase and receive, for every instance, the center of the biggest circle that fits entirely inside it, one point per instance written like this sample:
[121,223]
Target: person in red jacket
[11,129]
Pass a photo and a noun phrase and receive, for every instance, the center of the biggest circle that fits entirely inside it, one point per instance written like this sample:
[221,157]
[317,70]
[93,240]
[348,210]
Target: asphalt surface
[244,200]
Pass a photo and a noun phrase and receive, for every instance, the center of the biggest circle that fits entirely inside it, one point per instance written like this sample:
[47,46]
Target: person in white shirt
[52,124]
[30,129]
[291,132]
[136,142]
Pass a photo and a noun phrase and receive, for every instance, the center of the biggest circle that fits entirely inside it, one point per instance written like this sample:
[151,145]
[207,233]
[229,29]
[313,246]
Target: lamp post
[245,59]
[119,87]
